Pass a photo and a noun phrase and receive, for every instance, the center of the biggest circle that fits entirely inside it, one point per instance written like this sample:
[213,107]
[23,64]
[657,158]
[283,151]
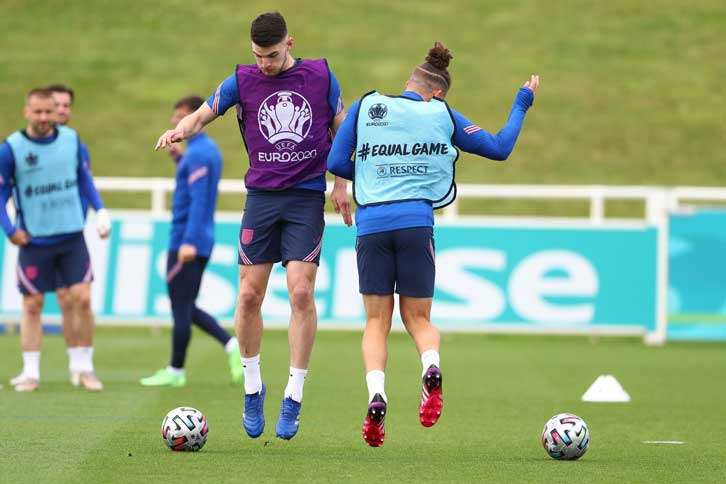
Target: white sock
[428,358]
[87,358]
[75,359]
[175,371]
[376,380]
[294,388]
[231,345]
[31,364]
[253,376]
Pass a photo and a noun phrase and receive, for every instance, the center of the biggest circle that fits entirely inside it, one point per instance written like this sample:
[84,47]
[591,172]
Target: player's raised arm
[471,138]
[189,126]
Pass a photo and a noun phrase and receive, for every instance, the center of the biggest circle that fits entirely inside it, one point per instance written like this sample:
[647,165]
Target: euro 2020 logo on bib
[285,118]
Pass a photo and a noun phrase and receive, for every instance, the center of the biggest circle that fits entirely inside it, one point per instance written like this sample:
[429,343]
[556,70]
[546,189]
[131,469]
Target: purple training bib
[284,121]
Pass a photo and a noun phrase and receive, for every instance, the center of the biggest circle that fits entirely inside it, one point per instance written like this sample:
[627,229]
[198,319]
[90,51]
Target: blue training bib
[46,179]
[404,151]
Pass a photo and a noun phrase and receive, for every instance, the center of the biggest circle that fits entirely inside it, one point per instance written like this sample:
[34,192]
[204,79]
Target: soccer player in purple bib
[405,149]
[288,110]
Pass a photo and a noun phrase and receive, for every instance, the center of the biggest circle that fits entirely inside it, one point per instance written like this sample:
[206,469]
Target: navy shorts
[282,226]
[43,268]
[401,259]
[183,280]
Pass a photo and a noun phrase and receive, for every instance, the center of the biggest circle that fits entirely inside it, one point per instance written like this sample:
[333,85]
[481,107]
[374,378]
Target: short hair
[434,73]
[190,102]
[39,92]
[63,89]
[268,29]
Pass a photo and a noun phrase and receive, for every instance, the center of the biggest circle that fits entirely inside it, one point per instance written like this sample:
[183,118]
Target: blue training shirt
[195,197]
[86,187]
[227,95]
[467,137]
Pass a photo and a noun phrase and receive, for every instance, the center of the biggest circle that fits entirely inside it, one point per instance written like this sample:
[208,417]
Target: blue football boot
[253,417]
[289,420]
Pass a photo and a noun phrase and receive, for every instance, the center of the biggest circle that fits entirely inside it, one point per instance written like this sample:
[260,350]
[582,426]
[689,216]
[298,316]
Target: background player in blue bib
[405,148]
[43,169]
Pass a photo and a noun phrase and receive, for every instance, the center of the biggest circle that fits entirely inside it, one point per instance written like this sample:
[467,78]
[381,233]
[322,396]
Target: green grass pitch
[498,393]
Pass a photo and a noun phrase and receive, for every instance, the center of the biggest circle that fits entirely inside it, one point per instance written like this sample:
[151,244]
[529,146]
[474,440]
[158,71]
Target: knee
[83,301]
[413,320]
[301,297]
[249,298]
[33,305]
[64,298]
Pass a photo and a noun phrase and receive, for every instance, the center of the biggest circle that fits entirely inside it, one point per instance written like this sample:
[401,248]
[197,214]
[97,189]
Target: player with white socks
[285,107]
[49,227]
[405,148]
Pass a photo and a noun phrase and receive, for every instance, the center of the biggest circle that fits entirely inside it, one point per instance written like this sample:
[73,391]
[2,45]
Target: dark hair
[190,102]
[268,29]
[62,88]
[39,92]
[434,71]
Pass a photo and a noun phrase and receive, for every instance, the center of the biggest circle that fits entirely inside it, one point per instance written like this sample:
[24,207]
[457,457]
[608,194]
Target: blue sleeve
[7,170]
[86,186]
[473,139]
[335,97]
[339,158]
[85,155]
[225,96]
[198,185]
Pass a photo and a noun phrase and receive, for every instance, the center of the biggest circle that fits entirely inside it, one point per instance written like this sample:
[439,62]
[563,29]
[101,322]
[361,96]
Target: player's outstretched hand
[340,200]
[533,83]
[170,136]
[20,237]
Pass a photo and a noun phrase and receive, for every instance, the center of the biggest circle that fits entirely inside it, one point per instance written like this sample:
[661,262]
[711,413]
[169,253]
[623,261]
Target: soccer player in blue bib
[288,110]
[198,171]
[76,331]
[42,167]
[405,148]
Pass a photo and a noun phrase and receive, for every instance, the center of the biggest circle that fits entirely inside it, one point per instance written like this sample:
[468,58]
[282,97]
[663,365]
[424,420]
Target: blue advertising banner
[495,277]
[697,273]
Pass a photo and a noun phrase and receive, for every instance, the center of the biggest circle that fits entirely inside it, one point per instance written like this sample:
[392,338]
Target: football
[184,429]
[566,437]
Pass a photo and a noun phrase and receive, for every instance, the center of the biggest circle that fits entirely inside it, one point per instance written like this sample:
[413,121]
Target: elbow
[501,155]
[503,151]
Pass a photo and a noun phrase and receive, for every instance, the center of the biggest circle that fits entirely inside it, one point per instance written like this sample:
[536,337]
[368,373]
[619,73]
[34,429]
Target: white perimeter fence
[522,302]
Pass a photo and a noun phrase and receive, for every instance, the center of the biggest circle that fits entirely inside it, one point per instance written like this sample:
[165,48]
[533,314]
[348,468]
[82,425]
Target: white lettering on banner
[162,304]
[530,284]
[98,250]
[11,300]
[347,301]
[322,284]
[473,284]
[132,279]
[481,298]
[217,295]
